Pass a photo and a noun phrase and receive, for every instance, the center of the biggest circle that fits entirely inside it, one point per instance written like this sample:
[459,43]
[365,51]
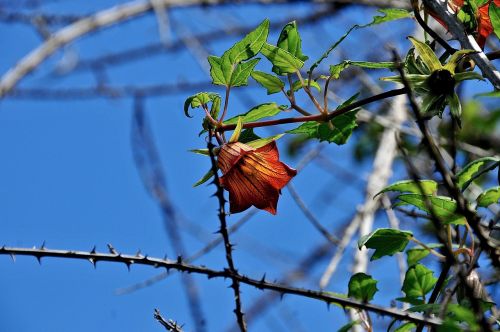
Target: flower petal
[253,176]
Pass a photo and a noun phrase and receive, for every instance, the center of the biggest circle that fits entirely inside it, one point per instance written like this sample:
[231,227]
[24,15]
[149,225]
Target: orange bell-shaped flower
[253,176]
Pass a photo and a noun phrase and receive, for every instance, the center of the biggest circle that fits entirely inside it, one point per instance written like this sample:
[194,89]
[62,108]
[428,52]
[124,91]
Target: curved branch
[179,265]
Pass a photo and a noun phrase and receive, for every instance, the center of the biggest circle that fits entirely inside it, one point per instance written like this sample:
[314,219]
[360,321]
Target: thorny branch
[225,235]
[179,265]
[169,325]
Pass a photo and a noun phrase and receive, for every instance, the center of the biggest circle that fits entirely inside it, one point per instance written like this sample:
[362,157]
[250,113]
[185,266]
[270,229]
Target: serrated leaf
[257,113]
[362,287]
[475,169]
[385,241]
[419,280]
[204,179]
[426,187]
[335,70]
[198,99]
[414,255]
[488,197]
[290,40]
[263,141]
[218,77]
[347,327]
[282,60]
[249,46]
[338,131]
[273,84]
[426,54]
[389,14]
[242,72]
[407,327]
[444,207]
[297,85]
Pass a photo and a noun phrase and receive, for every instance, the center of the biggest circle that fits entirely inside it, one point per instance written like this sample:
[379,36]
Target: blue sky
[69,179]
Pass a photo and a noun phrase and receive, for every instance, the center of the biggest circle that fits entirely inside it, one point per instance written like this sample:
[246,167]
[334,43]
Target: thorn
[112,250]
[43,245]
[179,259]
[13,257]
[328,304]
[39,259]
[281,296]
[94,262]
[138,253]
[93,250]
[128,263]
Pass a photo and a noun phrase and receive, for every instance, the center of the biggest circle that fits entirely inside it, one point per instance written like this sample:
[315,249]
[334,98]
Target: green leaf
[455,108]
[407,327]
[455,59]
[272,83]
[228,69]
[494,13]
[347,327]
[290,41]
[455,316]
[444,207]
[263,141]
[468,75]
[426,54]
[204,179]
[297,85]
[414,255]
[257,113]
[373,65]
[218,77]
[362,287]
[419,281]
[475,169]
[247,135]
[249,46]
[237,131]
[337,131]
[488,197]
[428,308]
[242,72]
[428,187]
[201,98]
[385,241]
[389,14]
[282,60]
[203,152]
[335,70]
